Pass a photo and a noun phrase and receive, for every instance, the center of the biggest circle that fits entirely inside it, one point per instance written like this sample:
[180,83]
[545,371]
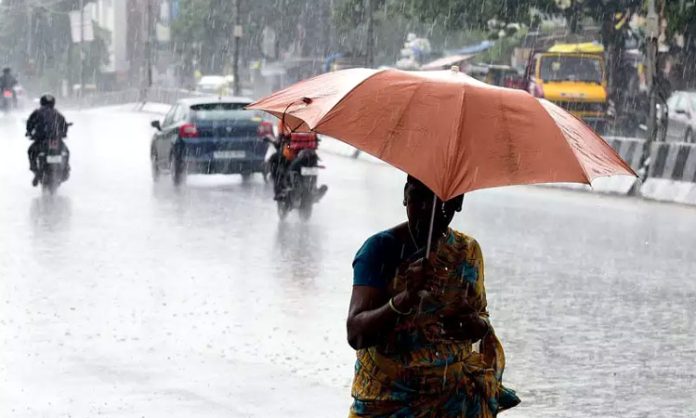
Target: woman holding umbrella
[413,320]
[415,313]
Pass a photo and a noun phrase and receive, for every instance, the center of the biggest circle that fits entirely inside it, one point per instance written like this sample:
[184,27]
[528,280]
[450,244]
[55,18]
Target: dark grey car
[209,136]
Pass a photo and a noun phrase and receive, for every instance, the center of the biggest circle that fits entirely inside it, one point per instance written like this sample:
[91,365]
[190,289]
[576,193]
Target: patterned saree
[416,372]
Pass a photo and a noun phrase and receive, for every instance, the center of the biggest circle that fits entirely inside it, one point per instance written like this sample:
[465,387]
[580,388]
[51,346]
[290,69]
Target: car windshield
[222,111]
[570,68]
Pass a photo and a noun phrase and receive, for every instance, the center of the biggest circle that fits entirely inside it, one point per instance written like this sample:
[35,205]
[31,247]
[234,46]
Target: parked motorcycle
[52,164]
[294,170]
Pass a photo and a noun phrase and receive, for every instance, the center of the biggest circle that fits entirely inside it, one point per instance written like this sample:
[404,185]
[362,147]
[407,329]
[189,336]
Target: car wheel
[176,169]
[689,136]
[154,167]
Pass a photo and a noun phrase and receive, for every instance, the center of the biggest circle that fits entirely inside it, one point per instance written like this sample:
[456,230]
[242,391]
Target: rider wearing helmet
[45,123]
[8,82]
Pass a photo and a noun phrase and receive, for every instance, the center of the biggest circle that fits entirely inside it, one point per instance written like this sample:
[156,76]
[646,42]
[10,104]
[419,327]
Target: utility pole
[148,48]
[82,48]
[652,32]
[30,33]
[651,67]
[370,43]
[237,36]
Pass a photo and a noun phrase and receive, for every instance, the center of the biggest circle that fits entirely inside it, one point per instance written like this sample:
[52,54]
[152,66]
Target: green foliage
[457,14]
[502,50]
[681,21]
[204,28]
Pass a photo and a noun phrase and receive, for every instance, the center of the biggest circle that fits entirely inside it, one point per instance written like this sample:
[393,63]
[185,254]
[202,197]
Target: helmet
[48,100]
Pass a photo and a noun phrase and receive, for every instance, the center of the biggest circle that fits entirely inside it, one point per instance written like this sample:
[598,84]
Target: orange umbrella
[450,131]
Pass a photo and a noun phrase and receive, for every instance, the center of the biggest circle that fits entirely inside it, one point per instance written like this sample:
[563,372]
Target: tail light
[265,129]
[188,130]
[7,93]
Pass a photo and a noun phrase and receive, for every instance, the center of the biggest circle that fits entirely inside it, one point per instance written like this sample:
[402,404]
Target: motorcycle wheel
[305,209]
[283,209]
[50,182]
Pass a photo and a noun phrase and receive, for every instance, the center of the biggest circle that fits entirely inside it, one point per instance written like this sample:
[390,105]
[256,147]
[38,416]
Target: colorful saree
[416,372]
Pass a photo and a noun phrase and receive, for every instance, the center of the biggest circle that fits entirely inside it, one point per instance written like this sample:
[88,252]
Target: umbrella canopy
[452,132]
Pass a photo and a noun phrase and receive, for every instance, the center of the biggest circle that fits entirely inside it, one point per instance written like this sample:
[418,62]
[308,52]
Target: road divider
[672,174]
[631,151]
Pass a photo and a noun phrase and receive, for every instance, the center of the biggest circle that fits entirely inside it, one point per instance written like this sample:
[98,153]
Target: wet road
[123,298]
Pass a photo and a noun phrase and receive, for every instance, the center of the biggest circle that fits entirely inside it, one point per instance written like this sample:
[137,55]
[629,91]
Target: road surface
[126,299]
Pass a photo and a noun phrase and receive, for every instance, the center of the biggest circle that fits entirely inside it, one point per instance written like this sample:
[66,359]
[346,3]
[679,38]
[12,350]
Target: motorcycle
[7,100]
[52,164]
[294,169]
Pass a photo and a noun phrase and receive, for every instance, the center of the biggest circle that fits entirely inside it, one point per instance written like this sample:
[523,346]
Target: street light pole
[651,64]
[652,32]
[237,36]
[82,48]
[370,44]
[148,47]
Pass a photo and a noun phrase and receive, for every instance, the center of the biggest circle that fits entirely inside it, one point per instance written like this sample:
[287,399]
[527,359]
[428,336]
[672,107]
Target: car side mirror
[156,124]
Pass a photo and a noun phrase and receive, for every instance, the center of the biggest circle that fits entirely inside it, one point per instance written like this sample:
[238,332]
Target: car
[213,84]
[681,114]
[209,136]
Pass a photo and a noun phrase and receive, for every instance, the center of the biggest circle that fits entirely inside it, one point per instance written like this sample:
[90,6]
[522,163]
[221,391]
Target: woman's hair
[419,185]
[414,182]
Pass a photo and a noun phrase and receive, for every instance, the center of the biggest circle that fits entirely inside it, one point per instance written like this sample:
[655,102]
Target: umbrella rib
[588,180]
[458,137]
[577,159]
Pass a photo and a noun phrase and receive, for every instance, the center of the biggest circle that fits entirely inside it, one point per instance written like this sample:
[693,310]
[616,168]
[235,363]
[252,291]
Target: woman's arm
[369,314]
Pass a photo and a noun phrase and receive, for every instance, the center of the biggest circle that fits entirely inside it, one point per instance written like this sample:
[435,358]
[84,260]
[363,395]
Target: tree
[36,38]
[456,14]
[204,30]
[442,20]
[681,19]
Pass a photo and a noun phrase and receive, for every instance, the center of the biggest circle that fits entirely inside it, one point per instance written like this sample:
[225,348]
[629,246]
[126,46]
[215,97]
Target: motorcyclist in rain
[291,158]
[44,124]
[8,82]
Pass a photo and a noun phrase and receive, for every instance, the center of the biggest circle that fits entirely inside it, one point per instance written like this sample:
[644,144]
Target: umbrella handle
[305,100]
[429,244]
